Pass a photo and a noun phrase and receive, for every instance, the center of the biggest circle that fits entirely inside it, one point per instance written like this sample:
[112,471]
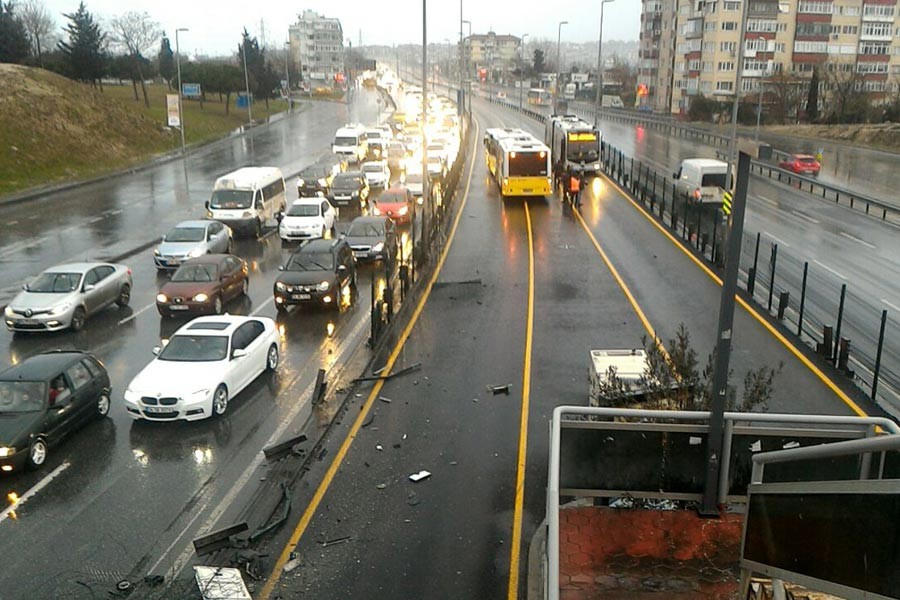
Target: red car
[397,203]
[203,285]
[802,164]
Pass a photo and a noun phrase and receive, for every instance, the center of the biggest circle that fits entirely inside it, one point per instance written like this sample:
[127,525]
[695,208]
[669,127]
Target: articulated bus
[521,163]
[540,97]
[492,139]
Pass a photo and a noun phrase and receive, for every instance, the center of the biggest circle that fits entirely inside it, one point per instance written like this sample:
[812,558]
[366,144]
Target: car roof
[193,223]
[396,189]
[705,162]
[213,259]
[318,246]
[350,174]
[42,366]
[81,267]
[308,201]
[803,156]
[215,324]
[369,219]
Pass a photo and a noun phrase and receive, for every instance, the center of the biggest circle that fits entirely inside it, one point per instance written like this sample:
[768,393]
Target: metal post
[180,107]
[426,188]
[840,319]
[599,83]
[524,54]
[462,52]
[714,460]
[759,95]
[774,262]
[287,74]
[802,299]
[558,66]
[247,79]
[751,279]
[732,146]
[877,372]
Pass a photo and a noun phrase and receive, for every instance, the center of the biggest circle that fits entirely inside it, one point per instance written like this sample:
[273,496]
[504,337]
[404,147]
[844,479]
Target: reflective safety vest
[574,184]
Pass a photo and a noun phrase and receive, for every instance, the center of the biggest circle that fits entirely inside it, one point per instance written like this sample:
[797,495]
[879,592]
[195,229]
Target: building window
[870,67]
[709,46]
[765,26]
[878,10]
[706,86]
[756,45]
[849,11]
[694,65]
[731,5]
[810,47]
[873,48]
[727,46]
[842,49]
[849,29]
[724,86]
[877,29]
[726,65]
[729,25]
[707,67]
[815,7]
[709,26]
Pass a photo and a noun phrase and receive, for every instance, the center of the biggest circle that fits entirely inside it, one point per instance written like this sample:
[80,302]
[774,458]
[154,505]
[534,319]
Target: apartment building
[656,53]
[861,37]
[497,54]
[317,45]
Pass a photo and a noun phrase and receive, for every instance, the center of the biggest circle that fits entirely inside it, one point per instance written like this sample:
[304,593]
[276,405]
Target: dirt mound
[878,135]
[54,128]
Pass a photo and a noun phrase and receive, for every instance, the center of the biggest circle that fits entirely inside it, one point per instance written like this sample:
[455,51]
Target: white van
[350,141]
[248,199]
[702,180]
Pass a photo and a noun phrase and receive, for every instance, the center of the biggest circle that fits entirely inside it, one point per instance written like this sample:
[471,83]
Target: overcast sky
[215,26]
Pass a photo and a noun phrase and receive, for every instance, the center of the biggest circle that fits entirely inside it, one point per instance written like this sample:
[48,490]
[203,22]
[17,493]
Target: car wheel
[124,296]
[272,358]
[103,403]
[322,233]
[280,308]
[229,247]
[78,317]
[220,401]
[217,305]
[245,287]
[37,454]
[258,229]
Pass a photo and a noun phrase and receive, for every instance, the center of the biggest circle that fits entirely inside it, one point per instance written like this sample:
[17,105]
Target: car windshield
[807,159]
[312,173]
[347,181]
[345,141]
[228,199]
[55,283]
[303,210]
[372,168]
[195,348]
[186,234]
[391,198]
[714,180]
[371,229]
[21,396]
[308,261]
[196,273]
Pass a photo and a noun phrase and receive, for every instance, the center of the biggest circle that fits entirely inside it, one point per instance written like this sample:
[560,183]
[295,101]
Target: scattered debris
[385,400]
[369,419]
[381,486]
[453,463]
[474,399]
[499,389]
[154,580]
[215,583]
[323,453]
[397,446]
[123,586]
[379,371]
[278,450]
[285,503]
[217,539]
[419,476]
[379,447]
[404,436]
[291,565]
[408,369]
[334,541]
[319,387]
[413,499]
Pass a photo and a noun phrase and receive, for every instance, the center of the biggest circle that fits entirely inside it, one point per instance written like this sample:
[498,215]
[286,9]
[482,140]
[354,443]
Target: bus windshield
[231,199]
[528,164]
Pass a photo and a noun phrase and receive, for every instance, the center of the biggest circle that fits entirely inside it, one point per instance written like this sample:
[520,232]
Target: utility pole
[558,67]
[180,106]
[426,179]
[732,146]
[599,69]
[247,81]
[522,62]
[287,74]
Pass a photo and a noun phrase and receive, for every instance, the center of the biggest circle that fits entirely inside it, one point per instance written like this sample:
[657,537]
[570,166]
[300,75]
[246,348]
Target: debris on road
[334,541]
[379,447]
[381,486]
[278,450]
[291,564]
[413,499]
[218,539]
[215,583]
[499,389]
[408,369]
[415,477]
[369,419]
[385,400]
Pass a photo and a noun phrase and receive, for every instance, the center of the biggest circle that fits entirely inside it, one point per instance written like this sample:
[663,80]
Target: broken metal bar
[339,540]
[217,539]
[319,388]
[408,369]
[286,503]
[280,449]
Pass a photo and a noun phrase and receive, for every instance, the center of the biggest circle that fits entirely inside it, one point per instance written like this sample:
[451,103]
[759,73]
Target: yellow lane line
[523,424]
[746,306]
[313,505]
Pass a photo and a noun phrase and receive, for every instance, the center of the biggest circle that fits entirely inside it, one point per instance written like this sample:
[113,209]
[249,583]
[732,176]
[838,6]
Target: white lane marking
[225,503]
[33,217]
[262,306]
[97,219]
[12,222]
[135,314]
[117,211]
[856,239]
[805,216]
[830,270]
[768,200]
[894,306]
[34,490]
[782,242]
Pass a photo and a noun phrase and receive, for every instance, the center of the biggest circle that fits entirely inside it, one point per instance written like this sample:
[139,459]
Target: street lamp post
[180,107]
[247,81]
[522,60]
[466,64]
[759,95]
[599,68]
[558,66]
[287,73]
[426,179]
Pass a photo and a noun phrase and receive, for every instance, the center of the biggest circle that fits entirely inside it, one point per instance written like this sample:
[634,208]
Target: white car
[204,364]
[377,173]
[306,219]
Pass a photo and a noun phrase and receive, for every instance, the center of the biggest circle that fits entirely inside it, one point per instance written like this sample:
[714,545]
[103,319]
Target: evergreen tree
[85,50]
[538,61]
[812,99]
[166,60]
[14,44]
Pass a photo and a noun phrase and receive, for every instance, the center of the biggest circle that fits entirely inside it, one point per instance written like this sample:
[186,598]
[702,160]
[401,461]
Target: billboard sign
[174,115]
[190,90]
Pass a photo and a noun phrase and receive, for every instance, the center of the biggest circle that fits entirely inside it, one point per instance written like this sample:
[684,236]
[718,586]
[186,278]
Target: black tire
[103,404]
[258,229]
[272,358]
[281,308]
[230,247]
[218,305]
[124,296]
[245,287]
[220,401]
[37,454]
[78,317]
[322,233]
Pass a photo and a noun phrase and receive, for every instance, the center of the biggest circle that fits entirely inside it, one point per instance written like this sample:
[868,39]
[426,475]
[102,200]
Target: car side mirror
[279,216]
[674,175]
[89,287]
[206,205]
[162,237]
[156,350]
[281,267]
[342,268]
[238,353]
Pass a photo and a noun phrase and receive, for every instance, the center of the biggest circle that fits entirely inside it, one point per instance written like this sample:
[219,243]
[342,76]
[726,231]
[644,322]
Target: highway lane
[127,497]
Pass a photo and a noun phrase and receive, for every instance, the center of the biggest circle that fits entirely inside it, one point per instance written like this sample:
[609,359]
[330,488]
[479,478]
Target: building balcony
[878,18]
[875,38]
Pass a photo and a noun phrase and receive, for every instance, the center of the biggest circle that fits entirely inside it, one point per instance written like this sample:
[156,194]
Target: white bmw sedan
[204,364]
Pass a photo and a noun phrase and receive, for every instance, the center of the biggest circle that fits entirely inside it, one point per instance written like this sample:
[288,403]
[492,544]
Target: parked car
[377,173]
[205,363]
[190,239]
[307,218]
[203,285]
[372,238]
[397,203]
[64,296]
[318,272]
[349,189]
[802,164]
[43,399]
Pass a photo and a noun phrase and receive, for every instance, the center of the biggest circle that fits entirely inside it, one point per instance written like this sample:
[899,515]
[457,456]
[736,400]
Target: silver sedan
[66,295]
[190,239]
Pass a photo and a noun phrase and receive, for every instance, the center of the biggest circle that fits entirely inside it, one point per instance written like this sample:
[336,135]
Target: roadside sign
[190,90]
[174,116]
[726,203]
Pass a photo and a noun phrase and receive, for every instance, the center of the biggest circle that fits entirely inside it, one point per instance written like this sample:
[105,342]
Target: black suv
[315,180]
[349,189]
[318,272]
[43,399]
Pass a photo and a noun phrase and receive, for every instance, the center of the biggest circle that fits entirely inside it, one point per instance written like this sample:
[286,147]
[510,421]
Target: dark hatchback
[372,238]
[349,189]
[315,180]
[43,399]
[317,272]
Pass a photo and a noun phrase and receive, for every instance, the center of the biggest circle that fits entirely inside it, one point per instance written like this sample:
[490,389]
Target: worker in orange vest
[574,188]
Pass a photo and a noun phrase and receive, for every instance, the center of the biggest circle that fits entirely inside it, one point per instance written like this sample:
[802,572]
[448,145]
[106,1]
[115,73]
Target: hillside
[53,129]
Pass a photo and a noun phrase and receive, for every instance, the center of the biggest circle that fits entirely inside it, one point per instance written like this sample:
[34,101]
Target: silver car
[66,295]
[190,239]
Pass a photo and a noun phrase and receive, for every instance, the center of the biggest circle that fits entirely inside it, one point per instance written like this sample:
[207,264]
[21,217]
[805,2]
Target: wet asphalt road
[450,536]
[128,498]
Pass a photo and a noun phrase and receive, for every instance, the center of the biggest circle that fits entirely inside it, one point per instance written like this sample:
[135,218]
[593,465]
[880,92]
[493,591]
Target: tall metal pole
[714,460]
[759,95]
[466,64]
[524,35]
[732,146]
[180,106]
[247,80]
[426,179]
[287,73]
[558,66]
[461,53]
[599,99]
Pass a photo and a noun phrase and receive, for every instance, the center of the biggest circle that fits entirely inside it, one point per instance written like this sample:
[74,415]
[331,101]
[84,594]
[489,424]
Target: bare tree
[39,24]
[138,34]
[783,93]
[846,101]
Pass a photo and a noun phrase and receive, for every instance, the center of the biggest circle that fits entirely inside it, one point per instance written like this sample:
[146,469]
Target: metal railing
[803,427]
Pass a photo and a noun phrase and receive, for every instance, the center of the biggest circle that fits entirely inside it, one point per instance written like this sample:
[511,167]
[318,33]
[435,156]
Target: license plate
[157,409]
[172,262]
[27,322]
[527,190]
[301,296]
[360,253]
[178,307]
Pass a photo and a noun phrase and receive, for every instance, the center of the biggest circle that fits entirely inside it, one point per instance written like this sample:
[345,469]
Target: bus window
[527,164]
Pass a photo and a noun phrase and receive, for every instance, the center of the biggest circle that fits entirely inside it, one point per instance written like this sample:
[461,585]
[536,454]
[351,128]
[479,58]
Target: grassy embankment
[54,130]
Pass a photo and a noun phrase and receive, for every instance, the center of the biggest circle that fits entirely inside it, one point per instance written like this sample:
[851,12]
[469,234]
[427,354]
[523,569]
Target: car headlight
[378,247]
[58,310]
[201,297]
[300,182]
[403,211]
[6,451]
[8,311]
[156,252]
[323,287]
[280,286]
[195,253]
[162,298]
[376,211]
[323,182]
